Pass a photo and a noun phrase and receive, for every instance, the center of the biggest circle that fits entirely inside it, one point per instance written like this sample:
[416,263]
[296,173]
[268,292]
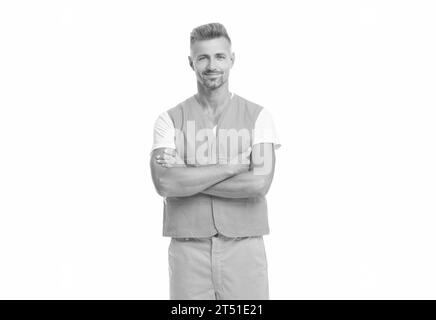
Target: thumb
[247,152]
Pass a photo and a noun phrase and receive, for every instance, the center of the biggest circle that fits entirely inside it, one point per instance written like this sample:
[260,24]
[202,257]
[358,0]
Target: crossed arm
[172,178]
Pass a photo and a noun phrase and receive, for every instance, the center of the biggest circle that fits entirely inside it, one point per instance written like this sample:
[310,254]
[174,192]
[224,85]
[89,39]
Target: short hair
[209,31]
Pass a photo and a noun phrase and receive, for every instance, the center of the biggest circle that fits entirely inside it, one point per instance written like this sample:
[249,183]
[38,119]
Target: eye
[221,57]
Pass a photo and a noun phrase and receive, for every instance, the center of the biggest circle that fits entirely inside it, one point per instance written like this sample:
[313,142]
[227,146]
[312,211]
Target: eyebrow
[216,54]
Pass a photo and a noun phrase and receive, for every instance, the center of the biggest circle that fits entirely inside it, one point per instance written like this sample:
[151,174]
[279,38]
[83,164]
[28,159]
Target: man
[213,162]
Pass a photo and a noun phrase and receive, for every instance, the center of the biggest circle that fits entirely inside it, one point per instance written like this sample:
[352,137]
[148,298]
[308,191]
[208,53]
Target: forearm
[187,181]
[244,185]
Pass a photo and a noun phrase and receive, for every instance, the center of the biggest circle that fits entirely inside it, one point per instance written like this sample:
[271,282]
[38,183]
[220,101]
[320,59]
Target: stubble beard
[213,84]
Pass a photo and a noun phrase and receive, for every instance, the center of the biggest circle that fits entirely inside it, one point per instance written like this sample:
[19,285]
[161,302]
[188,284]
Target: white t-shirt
[264,131]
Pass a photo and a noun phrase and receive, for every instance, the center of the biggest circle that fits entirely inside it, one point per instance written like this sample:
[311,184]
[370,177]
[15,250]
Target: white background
[350,85]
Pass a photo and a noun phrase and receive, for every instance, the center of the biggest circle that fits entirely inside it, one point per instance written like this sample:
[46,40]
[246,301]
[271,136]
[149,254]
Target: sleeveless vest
[198,144]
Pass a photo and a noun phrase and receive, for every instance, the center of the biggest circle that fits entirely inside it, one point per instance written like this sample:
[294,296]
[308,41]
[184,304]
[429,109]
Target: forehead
[211,47]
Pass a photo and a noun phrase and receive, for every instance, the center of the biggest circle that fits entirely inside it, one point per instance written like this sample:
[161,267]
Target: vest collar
[223,112]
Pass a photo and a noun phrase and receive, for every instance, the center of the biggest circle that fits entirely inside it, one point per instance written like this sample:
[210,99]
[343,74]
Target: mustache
[211,72]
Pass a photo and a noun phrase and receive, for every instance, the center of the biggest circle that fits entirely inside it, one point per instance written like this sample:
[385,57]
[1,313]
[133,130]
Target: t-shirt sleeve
[264,129]
[163,133]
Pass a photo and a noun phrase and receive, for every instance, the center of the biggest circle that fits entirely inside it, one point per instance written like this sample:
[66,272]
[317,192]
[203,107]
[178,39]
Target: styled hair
[209,31]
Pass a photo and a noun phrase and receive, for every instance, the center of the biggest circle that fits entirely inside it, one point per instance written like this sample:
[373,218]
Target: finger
[169,165]
[169,160]
[162,161]
[163,155]
[247,152]
[170,152]
[246,156]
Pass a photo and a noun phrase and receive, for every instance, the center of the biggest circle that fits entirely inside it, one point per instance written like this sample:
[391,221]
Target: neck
[213,99]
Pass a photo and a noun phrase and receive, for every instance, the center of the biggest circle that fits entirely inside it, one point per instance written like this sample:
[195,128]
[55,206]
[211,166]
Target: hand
[241,163]
[170,158]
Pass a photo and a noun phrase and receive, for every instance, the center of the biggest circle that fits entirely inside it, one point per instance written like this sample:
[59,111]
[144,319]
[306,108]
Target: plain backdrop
[350,85]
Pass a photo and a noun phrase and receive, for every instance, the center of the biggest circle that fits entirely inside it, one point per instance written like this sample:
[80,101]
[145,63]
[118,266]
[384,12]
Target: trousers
[218,268]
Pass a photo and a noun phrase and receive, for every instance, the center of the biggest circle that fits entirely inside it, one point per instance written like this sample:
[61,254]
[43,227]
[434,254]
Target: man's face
[212,60]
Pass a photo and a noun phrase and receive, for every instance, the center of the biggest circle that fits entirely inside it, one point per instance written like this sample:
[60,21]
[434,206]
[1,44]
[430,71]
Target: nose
[212,64]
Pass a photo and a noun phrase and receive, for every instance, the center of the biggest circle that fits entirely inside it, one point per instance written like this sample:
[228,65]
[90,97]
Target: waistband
[217,235]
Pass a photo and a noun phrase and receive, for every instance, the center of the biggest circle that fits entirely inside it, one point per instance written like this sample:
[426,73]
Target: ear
[232,58]
[191,63]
